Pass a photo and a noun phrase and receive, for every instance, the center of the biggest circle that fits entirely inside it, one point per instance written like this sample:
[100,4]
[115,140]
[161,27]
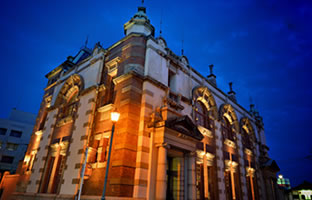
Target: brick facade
[165,145]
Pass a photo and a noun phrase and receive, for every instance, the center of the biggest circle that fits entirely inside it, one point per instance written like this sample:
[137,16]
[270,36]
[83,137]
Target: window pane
[202,115]
[16,133]
[2,131]
[7,159]
[11,146]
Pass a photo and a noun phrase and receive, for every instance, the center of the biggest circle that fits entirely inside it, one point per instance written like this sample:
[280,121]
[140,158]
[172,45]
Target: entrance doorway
[174,174]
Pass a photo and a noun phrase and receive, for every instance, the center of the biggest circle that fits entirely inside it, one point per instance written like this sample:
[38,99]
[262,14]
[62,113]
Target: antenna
[182,50]
[86,42]
[161,16]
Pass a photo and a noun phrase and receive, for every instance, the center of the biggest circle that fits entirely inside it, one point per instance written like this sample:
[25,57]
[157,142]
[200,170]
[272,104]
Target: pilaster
[191,173]
[142,158]
[220,161]
[241,166]
[42,152]
[77,147]
[161,180]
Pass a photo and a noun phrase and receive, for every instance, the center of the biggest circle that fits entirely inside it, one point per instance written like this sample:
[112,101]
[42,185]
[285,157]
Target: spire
[211,77]
[139,23]
[231,93]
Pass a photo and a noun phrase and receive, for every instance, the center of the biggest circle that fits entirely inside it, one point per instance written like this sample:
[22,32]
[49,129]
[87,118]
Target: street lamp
[114,117]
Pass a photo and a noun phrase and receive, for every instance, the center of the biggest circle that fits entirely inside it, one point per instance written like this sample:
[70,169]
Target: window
[31,162]
[246,139]
[2,131]
[227,129]
[202,115]
[71,104]
[7,159]
[43,120]
[16,133]
[11,146]
[171,80]
[200,181]
[0,144]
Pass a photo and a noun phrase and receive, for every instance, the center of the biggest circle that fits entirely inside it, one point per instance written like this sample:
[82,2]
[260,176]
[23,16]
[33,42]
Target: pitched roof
[271,164]
[304,186]
[185,126]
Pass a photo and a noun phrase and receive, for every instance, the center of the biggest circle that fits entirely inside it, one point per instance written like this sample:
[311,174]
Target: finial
[230,84]
[211,77]
[142,2]
[211,67]
[231,93]
[252,105]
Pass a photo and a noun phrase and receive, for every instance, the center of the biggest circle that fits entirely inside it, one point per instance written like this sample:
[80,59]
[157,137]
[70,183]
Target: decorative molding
[248,152]
[64,121]
[205,131]
[230,143]
[105,108]
[131,88]
[230,164]
[112,66]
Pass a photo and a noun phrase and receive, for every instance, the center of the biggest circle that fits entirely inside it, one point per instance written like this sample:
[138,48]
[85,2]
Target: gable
[185,126]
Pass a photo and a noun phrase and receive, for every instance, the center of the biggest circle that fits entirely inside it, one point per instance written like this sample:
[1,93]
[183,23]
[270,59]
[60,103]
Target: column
[55,154]
[252,186]
[232,182]
[161,180]
[191,176]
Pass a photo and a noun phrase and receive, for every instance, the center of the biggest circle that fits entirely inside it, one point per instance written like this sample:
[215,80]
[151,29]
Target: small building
[283,182]
[15,134]
[302,191]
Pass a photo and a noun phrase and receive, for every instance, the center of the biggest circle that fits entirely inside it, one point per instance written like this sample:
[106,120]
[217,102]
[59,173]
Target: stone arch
[246,125]
[203,94]
[73,84]
[226,110]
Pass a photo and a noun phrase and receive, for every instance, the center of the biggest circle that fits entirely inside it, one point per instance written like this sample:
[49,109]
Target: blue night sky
[263,46]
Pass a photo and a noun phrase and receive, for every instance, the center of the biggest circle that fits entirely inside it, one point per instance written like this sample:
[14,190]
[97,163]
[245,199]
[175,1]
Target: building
[283,182]
[14,137]
[302,191]
[178,137]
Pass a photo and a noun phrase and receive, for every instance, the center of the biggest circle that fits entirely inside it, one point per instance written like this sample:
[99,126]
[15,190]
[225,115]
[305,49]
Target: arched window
[227,129]
[246,139]
[71,103]
[202,115]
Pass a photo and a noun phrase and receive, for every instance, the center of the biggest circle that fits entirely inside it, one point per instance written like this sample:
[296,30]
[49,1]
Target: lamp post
[114,117]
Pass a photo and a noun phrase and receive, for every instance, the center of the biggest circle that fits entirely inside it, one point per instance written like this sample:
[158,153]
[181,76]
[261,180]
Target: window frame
[14,133]
[202,115]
